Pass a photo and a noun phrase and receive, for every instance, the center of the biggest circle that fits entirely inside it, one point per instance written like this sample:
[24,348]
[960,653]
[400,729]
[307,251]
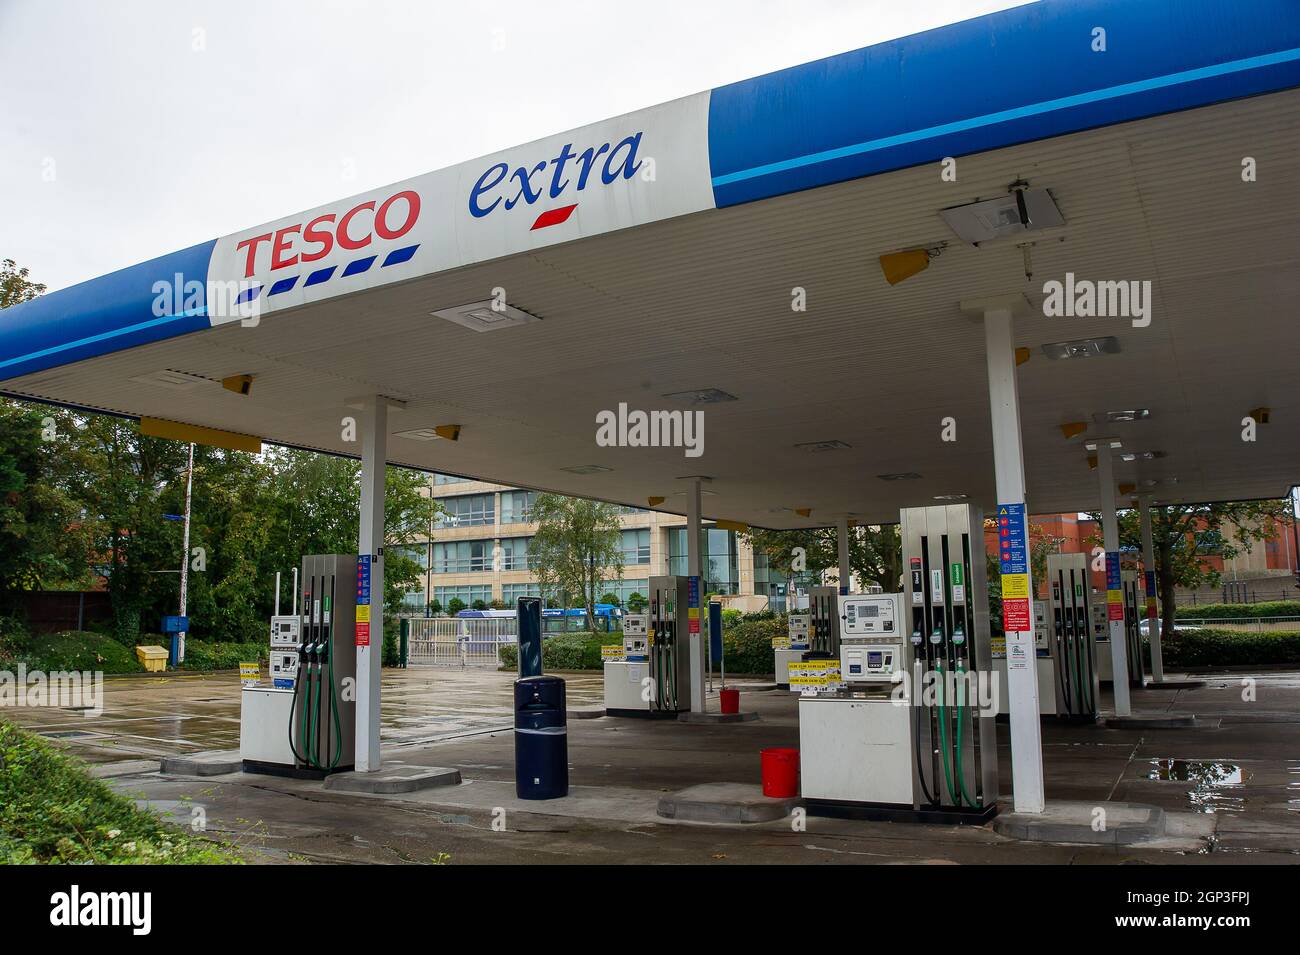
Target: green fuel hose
[338,723]
[303,739]
[943,738]
[963,715]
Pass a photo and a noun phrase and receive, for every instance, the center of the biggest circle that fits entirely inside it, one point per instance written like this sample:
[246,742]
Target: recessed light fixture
[450,432]
[951,497]
[1141,455]
[900,476]
[700,396]
[486,316]
[1021,210]
[1130,414]
[814,447]
[587,469]
[173,380]
[1082,348]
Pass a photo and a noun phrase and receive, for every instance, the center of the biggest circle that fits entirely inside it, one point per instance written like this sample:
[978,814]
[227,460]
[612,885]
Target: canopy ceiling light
[448,432]
[1021,210]
[1127,414]
[486,316]
[1082,348]
[814,447]
[701,396]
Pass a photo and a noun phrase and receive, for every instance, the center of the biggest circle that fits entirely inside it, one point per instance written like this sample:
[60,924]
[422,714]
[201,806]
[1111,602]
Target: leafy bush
[1275,608]
[579,650]
[730,618]
[748,644]
[1209,648]
[222,654]
[454,606]
[52,811]
[69,650]
[768,614]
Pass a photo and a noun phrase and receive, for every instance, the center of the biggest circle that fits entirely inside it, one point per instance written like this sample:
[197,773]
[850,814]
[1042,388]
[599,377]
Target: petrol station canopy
[658,254]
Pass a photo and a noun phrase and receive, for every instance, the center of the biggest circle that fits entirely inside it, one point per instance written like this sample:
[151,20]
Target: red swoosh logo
[553,217]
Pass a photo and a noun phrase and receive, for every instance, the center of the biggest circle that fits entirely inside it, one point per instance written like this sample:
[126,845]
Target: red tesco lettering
[351,231]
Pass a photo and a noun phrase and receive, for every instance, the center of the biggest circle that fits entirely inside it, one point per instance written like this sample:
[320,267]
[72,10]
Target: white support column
[693,571]
[846,575]
[1114,589]
[1008,463]
[374,448]
[1150,582]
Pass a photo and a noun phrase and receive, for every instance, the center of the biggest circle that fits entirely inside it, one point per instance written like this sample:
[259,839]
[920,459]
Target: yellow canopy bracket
[161,428]
[239,384]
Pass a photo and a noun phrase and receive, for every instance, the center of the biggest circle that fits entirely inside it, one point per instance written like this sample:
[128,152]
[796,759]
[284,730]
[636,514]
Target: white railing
[1245,624]
[457,641]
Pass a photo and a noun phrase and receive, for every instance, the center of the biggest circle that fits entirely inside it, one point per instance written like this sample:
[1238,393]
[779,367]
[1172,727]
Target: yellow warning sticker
[1015,585]
[363,613]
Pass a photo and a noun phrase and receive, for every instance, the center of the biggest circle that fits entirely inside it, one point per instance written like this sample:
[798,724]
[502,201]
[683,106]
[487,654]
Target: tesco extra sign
[564,175]
[353,230]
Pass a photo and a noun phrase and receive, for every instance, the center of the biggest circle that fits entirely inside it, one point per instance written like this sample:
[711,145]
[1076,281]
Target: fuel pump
[627,680]
[668,649]
[911,735]
[1129,581]
[791,650]
[303,724]
[823,622]
[1071,640]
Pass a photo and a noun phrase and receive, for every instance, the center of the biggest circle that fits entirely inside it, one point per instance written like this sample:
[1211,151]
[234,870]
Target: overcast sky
[133,128]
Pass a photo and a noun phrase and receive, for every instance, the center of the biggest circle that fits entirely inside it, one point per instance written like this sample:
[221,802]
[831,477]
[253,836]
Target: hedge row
[747,645]
[1211,648]
[1274,608]
[579,650]
[222,655]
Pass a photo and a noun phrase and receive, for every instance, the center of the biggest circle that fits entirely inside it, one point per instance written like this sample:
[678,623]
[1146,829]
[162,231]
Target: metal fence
[457,642]
[1238,593]
[1243,624]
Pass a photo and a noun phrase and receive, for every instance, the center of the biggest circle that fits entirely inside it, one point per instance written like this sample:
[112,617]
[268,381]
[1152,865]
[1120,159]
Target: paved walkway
[1232,784]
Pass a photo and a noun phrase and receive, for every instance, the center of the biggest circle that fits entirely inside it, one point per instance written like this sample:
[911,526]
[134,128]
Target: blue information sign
[1013,551]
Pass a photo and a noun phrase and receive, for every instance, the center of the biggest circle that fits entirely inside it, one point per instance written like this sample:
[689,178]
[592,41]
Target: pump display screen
[875,659]
[868,610]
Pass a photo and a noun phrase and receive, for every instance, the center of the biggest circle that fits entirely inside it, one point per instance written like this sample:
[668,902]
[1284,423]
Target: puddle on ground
[1209,779]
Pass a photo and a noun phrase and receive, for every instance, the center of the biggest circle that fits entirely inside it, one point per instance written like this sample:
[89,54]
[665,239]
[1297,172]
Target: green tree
[1185,536]
[454,606]
[15,286]
[875,552]
[577,543]
[636,602]
[44,543]
[611,599]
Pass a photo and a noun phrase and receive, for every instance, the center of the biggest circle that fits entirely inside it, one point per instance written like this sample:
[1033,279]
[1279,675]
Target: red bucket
[780,773]
[730,700]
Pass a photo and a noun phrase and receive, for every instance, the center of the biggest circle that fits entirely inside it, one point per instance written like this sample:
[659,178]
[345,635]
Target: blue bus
[555,620]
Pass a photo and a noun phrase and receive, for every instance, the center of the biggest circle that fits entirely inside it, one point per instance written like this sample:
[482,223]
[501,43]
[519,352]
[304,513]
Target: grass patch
[52,811]
[69,650]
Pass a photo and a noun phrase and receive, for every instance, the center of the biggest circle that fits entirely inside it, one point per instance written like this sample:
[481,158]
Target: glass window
[468,593]
[720,568]
[514,553]
[512,592]
[460,557]
[517,506]
[624,589]
[469,510]
[636,546]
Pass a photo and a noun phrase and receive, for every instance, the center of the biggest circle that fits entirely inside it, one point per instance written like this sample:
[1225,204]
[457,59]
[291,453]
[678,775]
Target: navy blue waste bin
[541,738]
